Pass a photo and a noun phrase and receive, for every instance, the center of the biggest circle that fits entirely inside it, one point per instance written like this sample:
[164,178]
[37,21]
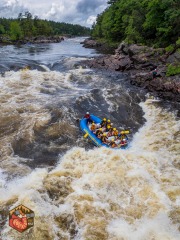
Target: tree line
[150,22]
[27,26]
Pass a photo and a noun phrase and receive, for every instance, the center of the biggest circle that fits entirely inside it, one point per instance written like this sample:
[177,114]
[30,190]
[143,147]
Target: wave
[104,193]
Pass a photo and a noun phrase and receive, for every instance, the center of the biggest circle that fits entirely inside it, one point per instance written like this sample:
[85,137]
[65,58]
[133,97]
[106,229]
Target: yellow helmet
[108,121]
[100,129]
[108,127]
[93,124]
[112,140]
[114,129]
[104,119]
[104,134]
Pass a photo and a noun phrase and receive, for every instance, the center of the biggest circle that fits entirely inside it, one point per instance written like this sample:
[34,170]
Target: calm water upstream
[76,190]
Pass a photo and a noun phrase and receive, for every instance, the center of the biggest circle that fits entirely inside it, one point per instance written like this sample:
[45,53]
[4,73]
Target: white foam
[159,228]
[3,177]
[127,193]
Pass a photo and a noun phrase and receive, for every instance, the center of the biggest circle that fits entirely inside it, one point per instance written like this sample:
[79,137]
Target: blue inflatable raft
[84,127]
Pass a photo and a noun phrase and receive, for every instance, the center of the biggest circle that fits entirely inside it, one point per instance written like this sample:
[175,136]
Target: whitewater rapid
[78,191]
[107,194]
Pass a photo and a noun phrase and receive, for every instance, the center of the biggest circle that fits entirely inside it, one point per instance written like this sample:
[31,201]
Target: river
[78,191]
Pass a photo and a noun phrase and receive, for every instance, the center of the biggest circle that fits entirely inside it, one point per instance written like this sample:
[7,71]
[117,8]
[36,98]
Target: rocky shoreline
[140,62]
[33,40]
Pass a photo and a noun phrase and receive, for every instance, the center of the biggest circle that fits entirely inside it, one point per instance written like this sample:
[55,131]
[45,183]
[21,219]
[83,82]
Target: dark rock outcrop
[140,61]
[100,47]
[39,39]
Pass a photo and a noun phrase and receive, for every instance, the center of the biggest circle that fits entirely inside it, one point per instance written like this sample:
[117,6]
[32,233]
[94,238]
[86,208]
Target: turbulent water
[76,190]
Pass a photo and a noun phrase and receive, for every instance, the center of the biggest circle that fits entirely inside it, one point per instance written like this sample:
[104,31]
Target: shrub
[170,48]
[173,70]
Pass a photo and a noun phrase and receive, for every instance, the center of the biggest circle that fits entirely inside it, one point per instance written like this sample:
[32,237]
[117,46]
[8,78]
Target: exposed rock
[89,43]
[175,57]
[100,47]
[39,39]
[123,48]
[140,61]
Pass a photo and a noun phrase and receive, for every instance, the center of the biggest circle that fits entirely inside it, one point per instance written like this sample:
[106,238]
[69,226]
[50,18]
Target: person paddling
[93,127]
[88,117]
[112,144]
[99,132]
[103,122]
[104,138]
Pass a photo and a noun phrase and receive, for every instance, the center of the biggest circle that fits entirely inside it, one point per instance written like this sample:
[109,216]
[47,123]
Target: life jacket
[109,132]
[98,132]
[123,142]
[115,133]
[108,124]
[103,123]
[113,144]
[103,138]
[87,116]
[123,136]
[93,128]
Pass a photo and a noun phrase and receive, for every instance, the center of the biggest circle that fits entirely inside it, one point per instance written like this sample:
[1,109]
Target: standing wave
[106,194]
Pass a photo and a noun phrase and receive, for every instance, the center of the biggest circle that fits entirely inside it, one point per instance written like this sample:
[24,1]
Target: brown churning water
[96,194]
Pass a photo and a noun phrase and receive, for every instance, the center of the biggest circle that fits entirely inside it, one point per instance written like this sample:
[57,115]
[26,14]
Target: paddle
[125,132]
[86,135]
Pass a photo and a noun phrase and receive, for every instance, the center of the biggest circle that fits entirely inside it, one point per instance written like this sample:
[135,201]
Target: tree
[142,21]
[26,23]
[15,31]
[2,31]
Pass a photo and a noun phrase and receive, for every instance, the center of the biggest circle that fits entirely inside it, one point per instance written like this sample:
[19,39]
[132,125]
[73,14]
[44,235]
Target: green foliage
[25,26]
[152,22]
[178,42]
[173,69]
[15,31]
[169,48]
[2,31]
[69,29]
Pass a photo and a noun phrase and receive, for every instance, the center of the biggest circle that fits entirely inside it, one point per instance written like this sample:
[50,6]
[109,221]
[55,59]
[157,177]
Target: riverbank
[153,69]
[33,40]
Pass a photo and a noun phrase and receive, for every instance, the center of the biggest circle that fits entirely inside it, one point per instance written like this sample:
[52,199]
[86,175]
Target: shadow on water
[61,133]
[67,92]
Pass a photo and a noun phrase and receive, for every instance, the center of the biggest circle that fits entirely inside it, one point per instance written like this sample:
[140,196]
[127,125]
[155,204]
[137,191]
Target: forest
[27,26]
[151,22]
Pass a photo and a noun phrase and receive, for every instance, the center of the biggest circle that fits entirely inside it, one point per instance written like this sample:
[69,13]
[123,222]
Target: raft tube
[84,127]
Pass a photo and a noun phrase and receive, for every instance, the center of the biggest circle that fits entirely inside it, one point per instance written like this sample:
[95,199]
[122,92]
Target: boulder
[89,43]
[173,58]
[141,61]
[122,49]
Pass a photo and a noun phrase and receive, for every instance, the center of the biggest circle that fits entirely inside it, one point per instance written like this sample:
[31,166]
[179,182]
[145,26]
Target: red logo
[21,218]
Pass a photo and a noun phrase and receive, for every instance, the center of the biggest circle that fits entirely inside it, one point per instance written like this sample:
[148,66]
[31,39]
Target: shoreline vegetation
[137,37]
[140,37]
[140,62]
[28,29]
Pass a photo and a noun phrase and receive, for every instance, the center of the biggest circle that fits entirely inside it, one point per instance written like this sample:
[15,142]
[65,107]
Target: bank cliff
[139,62]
